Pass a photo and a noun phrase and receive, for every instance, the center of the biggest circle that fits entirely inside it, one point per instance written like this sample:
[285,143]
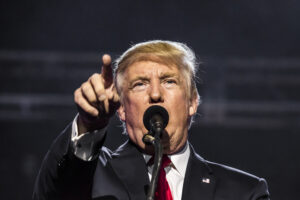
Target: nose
[156,92]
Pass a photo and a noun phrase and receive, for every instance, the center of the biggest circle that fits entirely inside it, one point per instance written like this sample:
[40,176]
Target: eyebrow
[138,78]
[168,75]
[161,77]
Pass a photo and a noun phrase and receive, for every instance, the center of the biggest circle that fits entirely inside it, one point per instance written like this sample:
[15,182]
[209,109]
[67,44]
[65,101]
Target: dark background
[250,74]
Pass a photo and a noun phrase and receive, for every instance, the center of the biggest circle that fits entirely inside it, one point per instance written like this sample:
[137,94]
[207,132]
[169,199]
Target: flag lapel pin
[205,180]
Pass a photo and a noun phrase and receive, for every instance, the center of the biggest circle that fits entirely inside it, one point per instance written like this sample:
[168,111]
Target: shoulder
[243,183]
[233,175]
[224,172]
[228,178]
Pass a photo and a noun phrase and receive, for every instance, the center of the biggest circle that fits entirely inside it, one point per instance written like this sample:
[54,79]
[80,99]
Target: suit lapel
[126,175]
[129,165]
[199,182]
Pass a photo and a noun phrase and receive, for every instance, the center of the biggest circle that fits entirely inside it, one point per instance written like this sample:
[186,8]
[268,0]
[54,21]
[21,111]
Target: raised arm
[64,174]
[97,99]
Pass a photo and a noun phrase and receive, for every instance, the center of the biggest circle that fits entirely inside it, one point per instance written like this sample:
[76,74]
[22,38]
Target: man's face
[148,83]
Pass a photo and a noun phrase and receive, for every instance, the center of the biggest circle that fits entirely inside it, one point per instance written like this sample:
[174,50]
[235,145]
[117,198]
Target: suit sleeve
[62,174]
[261,192]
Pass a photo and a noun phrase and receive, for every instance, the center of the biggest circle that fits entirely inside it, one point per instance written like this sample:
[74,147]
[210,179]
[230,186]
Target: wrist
[88,125]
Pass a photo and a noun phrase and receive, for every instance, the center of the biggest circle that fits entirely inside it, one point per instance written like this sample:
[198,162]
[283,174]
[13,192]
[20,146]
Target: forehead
[150,68]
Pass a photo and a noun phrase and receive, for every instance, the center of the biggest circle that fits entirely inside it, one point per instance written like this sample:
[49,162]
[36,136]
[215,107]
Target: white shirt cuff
[86,145]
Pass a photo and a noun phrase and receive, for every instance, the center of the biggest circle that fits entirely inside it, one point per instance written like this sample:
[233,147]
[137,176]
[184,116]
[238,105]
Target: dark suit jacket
[123,175]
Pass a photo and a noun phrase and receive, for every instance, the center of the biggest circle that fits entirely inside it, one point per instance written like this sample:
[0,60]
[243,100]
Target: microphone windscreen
[155,113]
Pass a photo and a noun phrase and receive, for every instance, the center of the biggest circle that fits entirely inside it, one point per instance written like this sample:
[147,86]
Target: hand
[97,99]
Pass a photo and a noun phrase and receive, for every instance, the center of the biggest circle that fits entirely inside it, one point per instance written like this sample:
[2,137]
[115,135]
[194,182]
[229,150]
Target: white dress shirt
[85,144]
[175,172]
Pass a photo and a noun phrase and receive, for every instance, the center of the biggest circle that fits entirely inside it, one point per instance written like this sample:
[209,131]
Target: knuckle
[84,85]
[76,99]
[94,76]
[99,91]
[86,89]
[76,95]
[80,102]
[89,110]
[92,98]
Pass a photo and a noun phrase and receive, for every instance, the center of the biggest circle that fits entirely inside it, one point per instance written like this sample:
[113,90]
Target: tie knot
[164,163]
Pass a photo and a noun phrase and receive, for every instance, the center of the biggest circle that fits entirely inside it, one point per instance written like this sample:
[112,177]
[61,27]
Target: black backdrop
[250,75]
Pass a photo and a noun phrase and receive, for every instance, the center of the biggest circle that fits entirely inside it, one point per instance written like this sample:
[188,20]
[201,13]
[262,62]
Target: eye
[170,81]
[138,84]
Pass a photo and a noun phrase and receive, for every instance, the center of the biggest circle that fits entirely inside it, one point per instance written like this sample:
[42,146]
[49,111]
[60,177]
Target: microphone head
[155,114]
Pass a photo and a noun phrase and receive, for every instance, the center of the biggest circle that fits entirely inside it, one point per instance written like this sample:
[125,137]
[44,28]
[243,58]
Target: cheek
[134,109]
[179,108]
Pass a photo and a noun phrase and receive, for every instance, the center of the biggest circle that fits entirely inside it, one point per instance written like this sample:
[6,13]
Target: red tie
[163,191]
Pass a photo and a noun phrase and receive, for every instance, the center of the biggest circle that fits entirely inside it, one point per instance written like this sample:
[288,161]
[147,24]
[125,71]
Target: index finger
[106,71]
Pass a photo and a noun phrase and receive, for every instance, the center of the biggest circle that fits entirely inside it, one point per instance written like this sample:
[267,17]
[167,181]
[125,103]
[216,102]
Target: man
[151,73]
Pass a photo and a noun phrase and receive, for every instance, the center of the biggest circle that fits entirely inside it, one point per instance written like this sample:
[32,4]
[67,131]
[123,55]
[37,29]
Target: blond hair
[165,52]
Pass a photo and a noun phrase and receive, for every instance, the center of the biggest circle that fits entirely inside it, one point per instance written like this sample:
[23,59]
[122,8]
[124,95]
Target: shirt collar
[179,159]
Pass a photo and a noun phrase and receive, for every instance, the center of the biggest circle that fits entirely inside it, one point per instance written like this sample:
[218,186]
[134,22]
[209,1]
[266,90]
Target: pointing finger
[106,71]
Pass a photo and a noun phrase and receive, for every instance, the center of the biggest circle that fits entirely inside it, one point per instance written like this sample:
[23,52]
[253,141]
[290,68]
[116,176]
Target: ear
[121,113]
[193,105]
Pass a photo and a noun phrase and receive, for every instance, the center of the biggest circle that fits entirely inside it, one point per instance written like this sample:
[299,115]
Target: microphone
[156,118]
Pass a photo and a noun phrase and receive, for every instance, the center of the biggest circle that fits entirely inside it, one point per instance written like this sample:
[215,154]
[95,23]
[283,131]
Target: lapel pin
[205,180]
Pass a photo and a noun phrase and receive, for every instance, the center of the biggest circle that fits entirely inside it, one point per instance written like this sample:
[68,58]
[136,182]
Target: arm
[63,175]
[68,168]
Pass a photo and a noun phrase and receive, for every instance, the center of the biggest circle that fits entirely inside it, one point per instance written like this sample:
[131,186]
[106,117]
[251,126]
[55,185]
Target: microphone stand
[158,152]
